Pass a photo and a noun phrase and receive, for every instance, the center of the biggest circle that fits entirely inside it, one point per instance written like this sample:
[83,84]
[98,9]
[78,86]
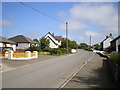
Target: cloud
[102,15]
[73,25]
[7,24]
[62,14]
[93,19]
[93,34]
[33,34]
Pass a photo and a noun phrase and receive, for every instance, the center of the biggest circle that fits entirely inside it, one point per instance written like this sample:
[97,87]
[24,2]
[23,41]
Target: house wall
[48,35]
[8,45]
[11,45]
[117,44]
[52,44]
[1,44]
[23,45]
[106,43]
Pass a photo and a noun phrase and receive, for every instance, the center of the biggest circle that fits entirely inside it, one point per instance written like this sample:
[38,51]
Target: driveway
[50,73]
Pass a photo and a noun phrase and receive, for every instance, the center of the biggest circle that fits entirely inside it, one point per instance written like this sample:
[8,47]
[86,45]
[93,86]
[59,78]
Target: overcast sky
[97,19]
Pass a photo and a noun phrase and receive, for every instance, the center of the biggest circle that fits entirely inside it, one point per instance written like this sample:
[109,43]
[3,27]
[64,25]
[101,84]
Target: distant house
[115,44]
[55,41]
[23,42]
[106,42]
[7,43]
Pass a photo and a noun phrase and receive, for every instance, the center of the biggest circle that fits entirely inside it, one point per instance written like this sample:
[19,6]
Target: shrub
[34,48]
[46,50]
[115,58]
[59,51]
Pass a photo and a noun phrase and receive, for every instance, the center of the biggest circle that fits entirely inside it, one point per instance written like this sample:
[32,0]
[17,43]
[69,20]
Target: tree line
[44,43]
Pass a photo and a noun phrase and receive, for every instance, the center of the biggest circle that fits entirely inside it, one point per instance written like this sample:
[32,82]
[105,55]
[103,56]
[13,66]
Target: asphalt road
[51,73]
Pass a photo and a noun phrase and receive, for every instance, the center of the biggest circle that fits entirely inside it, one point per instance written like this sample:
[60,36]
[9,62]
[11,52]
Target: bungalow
[115,44]
[55,41]
[7,43]
[106,42]
[23,42]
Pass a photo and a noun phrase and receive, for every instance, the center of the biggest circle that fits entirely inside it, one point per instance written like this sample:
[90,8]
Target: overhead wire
[42,12]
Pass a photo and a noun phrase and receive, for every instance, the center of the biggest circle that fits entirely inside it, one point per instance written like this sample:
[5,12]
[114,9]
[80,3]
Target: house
[106,42]
[7,43]
[115,44]
[55,41]
[23,42]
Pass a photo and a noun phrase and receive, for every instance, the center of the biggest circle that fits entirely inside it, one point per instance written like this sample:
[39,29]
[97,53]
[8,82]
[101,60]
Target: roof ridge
[25,39]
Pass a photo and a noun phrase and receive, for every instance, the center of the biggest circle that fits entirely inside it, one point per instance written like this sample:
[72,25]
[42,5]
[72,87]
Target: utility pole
[66,37]
[90,41]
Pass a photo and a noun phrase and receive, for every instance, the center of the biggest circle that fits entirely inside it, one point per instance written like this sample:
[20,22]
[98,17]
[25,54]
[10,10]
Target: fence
[21,55]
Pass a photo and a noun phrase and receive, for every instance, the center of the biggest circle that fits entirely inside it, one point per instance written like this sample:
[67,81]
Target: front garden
[49,51]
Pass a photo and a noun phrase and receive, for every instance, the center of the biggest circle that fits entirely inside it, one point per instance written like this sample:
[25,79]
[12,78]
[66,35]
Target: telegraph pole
[66,37]
[90,41]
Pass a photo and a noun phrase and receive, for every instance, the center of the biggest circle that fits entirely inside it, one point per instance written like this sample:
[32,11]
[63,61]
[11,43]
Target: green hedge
[115,58]
[59,51]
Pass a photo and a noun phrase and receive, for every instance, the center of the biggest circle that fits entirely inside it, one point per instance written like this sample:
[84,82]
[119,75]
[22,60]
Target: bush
[115,58]
[46,50]
[34,48]
[59,51]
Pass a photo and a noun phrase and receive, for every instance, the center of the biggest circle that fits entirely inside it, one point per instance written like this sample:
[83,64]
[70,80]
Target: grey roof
[22,39]
[59,38]
[4,40]
[107,38]
[116,38]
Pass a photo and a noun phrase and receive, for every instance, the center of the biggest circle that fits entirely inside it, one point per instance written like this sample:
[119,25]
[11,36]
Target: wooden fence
[19,54]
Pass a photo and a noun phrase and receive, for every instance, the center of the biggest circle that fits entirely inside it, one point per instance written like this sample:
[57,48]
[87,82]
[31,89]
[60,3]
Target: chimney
[110,34]
[53,34]
[106,36]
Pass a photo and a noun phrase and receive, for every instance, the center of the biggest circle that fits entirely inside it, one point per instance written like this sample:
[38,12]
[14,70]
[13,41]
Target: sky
[97,19]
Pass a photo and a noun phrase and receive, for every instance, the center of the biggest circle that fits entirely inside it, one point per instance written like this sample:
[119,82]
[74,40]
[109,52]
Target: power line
[41,12]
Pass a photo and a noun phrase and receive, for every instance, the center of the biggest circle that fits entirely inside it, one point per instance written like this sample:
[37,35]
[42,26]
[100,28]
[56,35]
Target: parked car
[4,49]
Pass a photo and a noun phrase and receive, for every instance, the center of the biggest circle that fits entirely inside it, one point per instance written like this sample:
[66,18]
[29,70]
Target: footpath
[95,74]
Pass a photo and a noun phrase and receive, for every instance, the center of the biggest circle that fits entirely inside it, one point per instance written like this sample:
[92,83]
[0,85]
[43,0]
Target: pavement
[51,73]
[95,74]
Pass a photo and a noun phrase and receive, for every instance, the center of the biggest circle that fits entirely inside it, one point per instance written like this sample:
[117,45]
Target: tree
[63,43]
[96,46]
[83,46]
[44,42]
[71,44]
[36,40]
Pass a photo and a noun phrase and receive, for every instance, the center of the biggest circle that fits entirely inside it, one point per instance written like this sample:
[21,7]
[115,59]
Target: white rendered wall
[106,43]
[23,45]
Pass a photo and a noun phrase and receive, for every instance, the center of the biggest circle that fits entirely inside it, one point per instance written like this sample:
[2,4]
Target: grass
[43,53]
[47,53]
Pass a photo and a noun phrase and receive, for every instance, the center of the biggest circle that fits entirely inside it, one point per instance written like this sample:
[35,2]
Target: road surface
[51,73]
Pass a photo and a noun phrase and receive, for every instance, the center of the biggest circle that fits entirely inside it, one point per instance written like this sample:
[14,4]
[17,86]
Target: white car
[97,51]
